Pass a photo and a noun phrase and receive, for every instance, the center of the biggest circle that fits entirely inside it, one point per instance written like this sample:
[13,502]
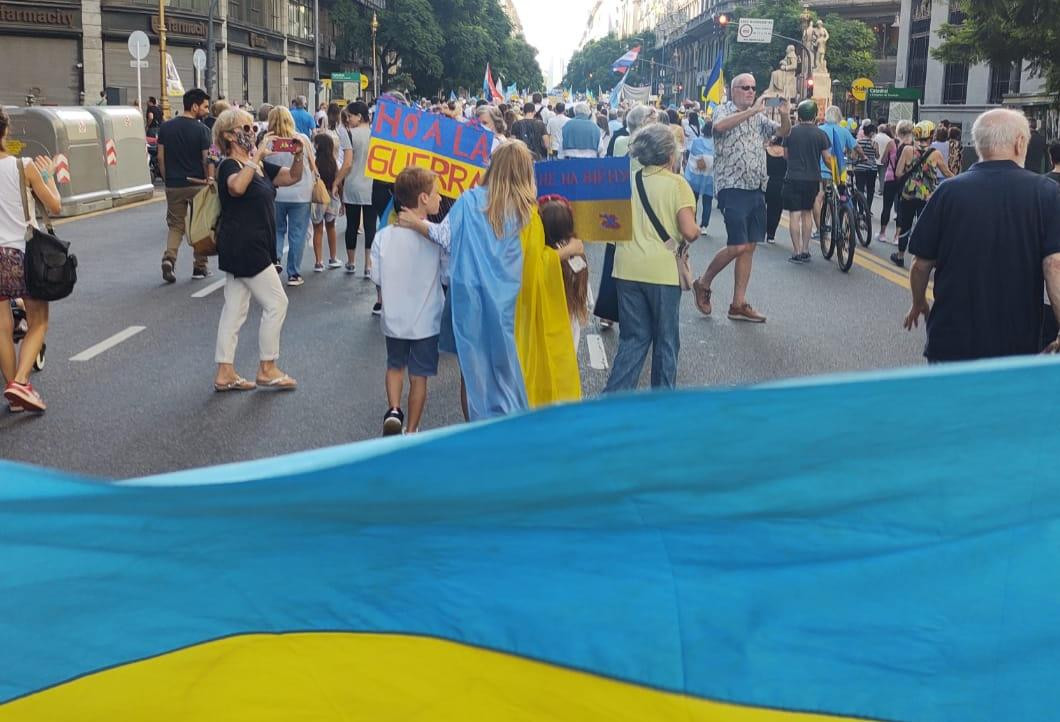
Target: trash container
[71,136]
[124,152]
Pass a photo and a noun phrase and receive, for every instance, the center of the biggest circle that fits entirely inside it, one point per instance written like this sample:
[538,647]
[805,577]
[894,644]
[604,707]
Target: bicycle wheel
[828,215]
[863,216]
[844,236]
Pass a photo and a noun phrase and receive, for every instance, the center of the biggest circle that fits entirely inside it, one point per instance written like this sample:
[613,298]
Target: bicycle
[838,209]
[862,217]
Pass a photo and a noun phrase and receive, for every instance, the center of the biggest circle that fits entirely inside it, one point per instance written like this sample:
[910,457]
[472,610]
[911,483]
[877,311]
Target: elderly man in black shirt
[992,235]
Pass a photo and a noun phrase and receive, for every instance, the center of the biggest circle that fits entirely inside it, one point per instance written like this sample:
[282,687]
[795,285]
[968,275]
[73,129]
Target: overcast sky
[554,27]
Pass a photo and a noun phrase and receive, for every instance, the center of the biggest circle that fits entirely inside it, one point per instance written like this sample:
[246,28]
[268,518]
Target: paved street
[146,403]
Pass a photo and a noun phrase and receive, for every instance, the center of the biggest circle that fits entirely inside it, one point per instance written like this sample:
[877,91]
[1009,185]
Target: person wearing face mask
[246,248]
[991,235]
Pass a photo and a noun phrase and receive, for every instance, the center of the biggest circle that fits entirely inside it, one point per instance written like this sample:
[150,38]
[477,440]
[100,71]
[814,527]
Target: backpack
[51,270]
[524,131]
[919,182]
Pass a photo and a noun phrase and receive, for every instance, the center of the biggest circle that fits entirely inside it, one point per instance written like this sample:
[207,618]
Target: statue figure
[820,35]
[808,39]
[782,81]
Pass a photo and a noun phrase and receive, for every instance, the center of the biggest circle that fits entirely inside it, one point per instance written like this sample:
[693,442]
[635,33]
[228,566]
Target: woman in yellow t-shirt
[649,291]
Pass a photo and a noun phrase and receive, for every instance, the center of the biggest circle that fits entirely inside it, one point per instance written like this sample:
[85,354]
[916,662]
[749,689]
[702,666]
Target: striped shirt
[868,163]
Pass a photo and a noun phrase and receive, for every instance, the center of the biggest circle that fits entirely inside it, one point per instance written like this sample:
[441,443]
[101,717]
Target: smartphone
[285,145]
[774,102]
[576,263]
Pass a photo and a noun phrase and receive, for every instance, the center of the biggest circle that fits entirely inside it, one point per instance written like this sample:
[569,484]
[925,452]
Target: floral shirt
[740,153]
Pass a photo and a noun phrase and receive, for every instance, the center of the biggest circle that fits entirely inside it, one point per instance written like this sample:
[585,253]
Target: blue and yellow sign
[403,136]
[598,190]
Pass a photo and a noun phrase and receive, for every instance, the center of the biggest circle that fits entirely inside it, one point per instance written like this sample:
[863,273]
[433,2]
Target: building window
[956,12]
[955,84]
[299,20]
[918,55]
[1004,79]
[235,11]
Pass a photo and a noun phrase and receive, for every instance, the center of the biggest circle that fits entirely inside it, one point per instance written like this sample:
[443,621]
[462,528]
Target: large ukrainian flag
[651,557]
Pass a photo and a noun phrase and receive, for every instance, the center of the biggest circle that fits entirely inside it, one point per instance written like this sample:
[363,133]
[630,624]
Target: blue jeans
[292,223]
[648,315]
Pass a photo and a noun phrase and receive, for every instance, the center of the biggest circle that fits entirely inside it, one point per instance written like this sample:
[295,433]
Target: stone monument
[815,38]
[782,81]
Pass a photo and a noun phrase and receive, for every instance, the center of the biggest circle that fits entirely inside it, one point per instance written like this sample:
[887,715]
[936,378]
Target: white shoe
[334,263]
[702,230]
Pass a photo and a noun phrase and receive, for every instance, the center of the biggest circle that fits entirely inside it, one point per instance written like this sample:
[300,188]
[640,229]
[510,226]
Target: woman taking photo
[16,187]
[293,203]
[649,291]
[246,247]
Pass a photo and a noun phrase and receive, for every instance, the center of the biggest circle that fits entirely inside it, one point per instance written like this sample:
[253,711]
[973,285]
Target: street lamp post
[211,54]
[316,54]
[162,68]
[375,56]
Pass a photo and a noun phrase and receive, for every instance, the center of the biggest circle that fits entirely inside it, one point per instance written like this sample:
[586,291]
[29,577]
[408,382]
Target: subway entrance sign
[907,95]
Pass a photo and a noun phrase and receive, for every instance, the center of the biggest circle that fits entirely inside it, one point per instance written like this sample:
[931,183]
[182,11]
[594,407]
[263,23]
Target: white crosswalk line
[92,351]
[206,291]
[597,355]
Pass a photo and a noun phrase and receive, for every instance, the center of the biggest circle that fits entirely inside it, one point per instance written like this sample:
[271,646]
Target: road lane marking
[203,292]
[92,351]
[597,355]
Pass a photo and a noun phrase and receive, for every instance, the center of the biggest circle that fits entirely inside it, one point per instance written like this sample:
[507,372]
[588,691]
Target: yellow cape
[543,337]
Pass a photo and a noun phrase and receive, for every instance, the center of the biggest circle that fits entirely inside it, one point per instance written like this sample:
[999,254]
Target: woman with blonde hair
[293,203]
[246,247]
[506,314]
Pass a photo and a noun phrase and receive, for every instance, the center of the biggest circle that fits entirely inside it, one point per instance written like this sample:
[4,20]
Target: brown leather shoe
[702,297]
[745,313]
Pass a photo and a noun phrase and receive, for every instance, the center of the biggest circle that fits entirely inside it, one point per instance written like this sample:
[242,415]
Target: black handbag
[51,270]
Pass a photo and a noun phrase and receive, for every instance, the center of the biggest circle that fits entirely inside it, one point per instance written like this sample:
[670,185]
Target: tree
[590,66]
[1005,32]
[850,45]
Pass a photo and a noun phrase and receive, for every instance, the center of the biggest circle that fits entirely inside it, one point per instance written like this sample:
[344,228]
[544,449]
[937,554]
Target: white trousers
[267,290]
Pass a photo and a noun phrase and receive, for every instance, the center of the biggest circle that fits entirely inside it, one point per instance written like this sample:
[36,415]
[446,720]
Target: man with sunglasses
[741,130]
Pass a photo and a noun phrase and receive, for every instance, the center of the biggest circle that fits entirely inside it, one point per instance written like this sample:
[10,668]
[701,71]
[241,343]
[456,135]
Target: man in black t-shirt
[183,145]
[991,235]
[807,146]
[531,131]
[1054,158]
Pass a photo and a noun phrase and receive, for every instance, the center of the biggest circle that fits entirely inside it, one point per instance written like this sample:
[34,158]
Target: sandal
[280,383]
[240,384]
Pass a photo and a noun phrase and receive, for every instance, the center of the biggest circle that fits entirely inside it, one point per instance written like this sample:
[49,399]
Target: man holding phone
[741,131]
[183,145]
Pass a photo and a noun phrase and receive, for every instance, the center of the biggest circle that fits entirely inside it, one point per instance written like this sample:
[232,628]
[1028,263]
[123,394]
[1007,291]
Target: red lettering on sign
[481,149]
[435,132]
[440,167]
[457,176]
[456,142]
[392,121]
[379,158]
[410,125]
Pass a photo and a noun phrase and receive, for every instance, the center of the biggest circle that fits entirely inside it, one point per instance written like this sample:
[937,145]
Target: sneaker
[804,257]
[350,268]
[167,271]
[702,297]
[295,281]
[334,263]
[16,407]
[197,274]
[393,422]
[881,238]
[771,240]
[367,272]
[898,260]
[278,267]
[816,236]
[377,309]
[318,268]
[24,395]
[702,230]
[745,313]
[795,258]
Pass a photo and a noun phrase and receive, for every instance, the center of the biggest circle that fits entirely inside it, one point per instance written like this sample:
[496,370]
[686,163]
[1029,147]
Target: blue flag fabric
[632,556]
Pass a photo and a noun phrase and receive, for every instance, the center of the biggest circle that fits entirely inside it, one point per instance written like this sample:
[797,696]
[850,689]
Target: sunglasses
[746,87]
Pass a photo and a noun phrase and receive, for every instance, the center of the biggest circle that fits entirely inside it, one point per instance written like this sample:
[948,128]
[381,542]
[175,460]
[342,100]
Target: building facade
[958,92]
[67,53]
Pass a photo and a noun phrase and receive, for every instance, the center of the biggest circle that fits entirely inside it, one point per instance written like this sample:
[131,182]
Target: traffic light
[723,20]
[809,87]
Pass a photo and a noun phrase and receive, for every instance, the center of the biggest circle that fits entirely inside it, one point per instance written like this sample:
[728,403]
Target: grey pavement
[146,405]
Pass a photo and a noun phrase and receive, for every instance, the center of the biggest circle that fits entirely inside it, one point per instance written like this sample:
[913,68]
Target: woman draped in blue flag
[507,305]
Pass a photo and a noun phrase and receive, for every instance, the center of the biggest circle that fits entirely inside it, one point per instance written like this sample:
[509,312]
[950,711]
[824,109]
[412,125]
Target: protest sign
[598,190]
[403,136]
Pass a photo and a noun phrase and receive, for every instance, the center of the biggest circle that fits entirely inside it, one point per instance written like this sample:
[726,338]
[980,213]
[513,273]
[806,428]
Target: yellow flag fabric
[543,337]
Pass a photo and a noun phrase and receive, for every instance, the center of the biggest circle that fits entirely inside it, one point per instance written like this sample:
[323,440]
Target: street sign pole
[139,47]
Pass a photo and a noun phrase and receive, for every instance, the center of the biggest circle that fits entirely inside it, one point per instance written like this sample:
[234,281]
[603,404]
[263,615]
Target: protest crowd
[469,258]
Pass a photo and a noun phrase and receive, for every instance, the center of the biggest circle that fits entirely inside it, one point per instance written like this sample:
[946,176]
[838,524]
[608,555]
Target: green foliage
[850,45]
[1005,31]
[432,46]
[590,67]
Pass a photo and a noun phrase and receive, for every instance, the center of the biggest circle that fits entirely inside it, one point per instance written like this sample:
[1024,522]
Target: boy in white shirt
[408,270]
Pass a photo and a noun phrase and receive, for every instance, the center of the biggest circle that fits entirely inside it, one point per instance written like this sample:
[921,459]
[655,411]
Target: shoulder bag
[51,270]
[202,226]
[680,250]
